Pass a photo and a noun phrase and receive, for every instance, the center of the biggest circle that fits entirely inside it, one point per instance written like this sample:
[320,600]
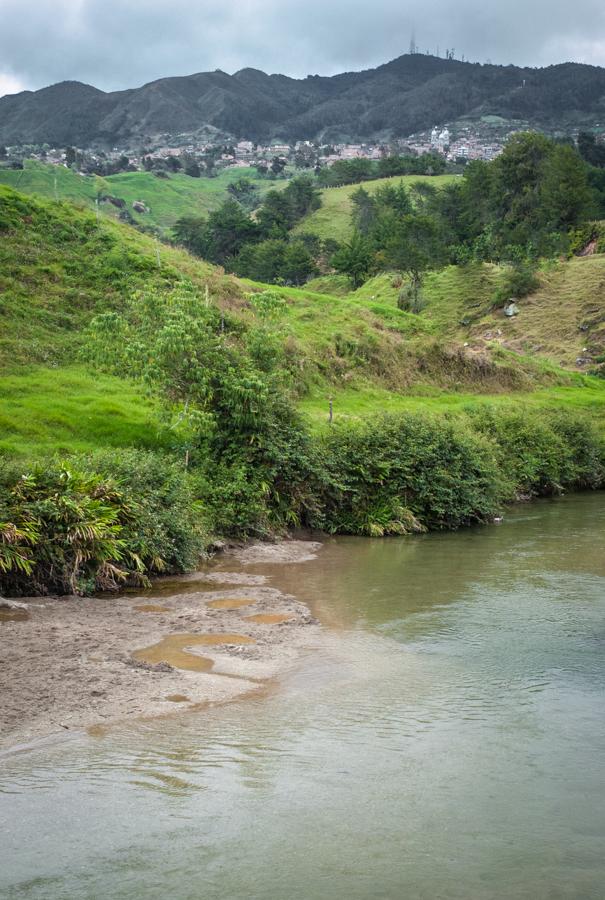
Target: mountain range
[408,94]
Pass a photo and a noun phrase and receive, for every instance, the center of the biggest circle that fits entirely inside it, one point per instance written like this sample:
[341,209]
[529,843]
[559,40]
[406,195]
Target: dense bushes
[354,171]
[542,453]
[407,473]
[102,521]
[95,522]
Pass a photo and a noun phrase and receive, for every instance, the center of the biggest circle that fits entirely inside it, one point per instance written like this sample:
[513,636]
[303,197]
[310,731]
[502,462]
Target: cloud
[115,44]
[9,84]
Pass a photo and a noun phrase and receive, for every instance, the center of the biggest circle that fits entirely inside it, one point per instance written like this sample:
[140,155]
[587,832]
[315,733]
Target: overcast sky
[115,44]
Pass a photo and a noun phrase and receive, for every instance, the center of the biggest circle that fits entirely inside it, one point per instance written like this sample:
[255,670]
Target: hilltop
[408,94]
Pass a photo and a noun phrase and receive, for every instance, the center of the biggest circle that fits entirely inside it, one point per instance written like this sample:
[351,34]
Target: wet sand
[75,663]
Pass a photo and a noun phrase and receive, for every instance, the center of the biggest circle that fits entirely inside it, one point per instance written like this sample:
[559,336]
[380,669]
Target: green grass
[586,394]
[333,218]
[167,198]
[45,411]
[59,267]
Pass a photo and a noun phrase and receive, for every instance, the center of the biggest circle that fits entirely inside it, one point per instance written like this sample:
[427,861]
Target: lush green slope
[59,267]
[219,377]
[166,198]
[70,409]
[333,218]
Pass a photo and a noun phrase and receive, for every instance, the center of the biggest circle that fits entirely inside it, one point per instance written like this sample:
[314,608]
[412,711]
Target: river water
[444,739]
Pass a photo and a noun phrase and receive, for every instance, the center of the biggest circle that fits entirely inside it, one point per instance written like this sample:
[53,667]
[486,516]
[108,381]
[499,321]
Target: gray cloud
[115,44]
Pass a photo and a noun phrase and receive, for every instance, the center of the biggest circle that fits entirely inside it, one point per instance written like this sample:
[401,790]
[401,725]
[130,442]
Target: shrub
[94,522]
[518,282]
[407,473]
[543,453]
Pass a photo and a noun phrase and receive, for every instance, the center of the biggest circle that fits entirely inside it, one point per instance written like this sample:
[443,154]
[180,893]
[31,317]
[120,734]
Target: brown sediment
[69,663]
[269,618]
[230,604]
[172,650]
[14,615]
[152,608]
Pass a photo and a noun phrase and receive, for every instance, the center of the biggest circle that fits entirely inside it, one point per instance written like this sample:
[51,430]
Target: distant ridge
[410,93]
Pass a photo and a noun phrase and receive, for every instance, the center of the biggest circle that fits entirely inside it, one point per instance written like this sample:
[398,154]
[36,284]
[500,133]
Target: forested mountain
[410,93]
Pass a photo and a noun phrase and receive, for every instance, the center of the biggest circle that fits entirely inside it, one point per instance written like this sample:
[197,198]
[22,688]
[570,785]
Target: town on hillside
[456,144]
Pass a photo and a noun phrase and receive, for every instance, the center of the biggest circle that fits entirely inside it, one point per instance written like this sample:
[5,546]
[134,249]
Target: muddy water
[229,604]
[269,618]
[445,739]
[13,615]
[177,650]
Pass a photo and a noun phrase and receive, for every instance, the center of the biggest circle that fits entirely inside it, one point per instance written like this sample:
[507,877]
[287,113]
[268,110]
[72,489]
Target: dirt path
[78,663]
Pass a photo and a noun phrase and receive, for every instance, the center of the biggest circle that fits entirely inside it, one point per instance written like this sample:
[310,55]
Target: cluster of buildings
[466,144]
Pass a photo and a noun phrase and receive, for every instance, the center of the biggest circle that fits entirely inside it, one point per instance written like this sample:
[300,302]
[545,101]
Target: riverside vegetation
[150,402]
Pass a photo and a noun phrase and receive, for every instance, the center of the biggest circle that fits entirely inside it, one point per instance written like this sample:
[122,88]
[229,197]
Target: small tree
[355,259]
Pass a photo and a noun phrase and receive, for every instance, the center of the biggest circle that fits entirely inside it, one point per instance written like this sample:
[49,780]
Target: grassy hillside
[59,267]
[166,198]
[562,322]
[333,219]
[106,480]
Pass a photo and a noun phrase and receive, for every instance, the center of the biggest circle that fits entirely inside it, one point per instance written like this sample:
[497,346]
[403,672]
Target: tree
[192,169]
[261,262]
[278,164]
[364,210]
[244,191]
[220,237]
[565,194]
[174,164]
[70,155]
[593,153]
[355,259]
[414,247]
[298,264]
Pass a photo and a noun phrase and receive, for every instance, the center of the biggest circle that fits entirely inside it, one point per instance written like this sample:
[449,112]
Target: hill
[148,402]
[60,267]
[166,199]
[409,93]
[333,218]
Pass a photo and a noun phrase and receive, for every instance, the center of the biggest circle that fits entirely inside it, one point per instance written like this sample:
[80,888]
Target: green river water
[444,739]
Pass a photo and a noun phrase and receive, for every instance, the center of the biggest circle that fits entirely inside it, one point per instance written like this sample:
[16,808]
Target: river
[445,738]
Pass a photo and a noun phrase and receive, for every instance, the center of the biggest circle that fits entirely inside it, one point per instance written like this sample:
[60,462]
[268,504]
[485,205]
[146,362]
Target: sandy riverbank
[77,663]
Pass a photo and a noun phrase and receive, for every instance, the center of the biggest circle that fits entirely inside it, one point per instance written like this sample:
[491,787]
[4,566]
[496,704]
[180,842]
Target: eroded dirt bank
[76,663]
